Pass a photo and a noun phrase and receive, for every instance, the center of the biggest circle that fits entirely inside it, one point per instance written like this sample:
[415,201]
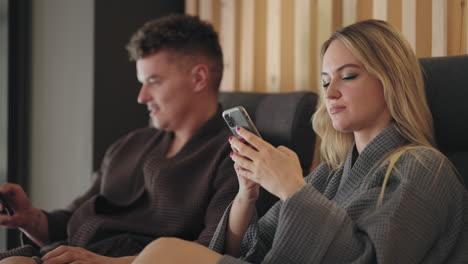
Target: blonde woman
[383,194]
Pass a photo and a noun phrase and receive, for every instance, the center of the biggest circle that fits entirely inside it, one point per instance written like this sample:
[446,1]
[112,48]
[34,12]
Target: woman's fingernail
[230,138]
[230,154]
[237,128]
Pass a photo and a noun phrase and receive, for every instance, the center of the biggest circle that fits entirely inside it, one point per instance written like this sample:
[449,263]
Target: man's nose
[143,95]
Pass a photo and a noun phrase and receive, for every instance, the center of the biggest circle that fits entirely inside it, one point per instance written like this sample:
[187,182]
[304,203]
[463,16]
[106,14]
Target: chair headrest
[281,118]
[446,81]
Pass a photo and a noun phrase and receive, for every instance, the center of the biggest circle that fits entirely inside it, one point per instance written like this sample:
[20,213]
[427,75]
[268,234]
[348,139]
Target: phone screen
[238,117]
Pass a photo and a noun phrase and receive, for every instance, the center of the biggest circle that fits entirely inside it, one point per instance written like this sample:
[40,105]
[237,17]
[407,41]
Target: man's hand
[18,202]
[32,221]
[67,254]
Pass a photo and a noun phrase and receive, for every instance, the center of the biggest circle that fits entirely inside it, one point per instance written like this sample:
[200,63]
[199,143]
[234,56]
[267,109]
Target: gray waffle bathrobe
[334,218]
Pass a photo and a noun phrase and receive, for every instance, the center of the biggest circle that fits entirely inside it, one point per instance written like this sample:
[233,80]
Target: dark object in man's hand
[6,208]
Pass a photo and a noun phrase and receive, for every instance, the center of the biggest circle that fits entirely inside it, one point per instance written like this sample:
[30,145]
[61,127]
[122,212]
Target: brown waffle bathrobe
[139,195]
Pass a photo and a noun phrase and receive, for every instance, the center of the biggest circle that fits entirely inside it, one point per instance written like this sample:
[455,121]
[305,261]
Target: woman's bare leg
[18,260]
[174,250]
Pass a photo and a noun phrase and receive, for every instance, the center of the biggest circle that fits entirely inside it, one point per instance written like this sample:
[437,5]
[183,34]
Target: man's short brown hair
[182,34]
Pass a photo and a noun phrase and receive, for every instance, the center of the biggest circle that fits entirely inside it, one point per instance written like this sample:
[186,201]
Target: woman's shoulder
[426,168]
[421,159]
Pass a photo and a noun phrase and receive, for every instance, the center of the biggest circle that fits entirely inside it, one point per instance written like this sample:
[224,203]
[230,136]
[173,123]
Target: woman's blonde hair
[386,54]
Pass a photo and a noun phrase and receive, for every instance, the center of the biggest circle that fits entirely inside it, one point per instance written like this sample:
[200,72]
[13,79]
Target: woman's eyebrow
[342,67]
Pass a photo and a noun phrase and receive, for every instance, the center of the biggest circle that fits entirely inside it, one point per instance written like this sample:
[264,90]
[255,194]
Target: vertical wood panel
[247,48]
[439,28]
[380,9]
[314,56]
[394,13]
[325,23]
[216,12]
[324,28]
[409,21]
[237,64]
[205,10]
[455,23]
[465,6]
[287,46]
[365,8]
[191,7]
[337,15]
[349,12]
[273,45]
[302,45]
[260,45]
[423,28]
[228,41]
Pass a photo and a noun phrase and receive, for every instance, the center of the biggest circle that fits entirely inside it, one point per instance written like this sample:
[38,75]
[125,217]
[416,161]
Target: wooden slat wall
[409,21]
[423,28]
[228,39]
[302,45]
[274,45]
[439,28]
[247,46]
[380,9]
[191,7]
[205,9]
[465,28]
[350,13]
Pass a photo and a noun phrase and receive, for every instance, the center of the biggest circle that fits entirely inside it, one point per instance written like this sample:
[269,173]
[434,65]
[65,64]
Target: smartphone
[238,117]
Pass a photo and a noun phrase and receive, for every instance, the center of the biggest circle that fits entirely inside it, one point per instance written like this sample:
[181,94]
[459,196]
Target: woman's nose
[332,92]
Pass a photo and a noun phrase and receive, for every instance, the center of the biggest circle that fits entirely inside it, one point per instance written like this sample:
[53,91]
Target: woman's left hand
[276,169]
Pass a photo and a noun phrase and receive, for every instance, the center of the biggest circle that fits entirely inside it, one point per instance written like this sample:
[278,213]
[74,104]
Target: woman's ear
[201,76]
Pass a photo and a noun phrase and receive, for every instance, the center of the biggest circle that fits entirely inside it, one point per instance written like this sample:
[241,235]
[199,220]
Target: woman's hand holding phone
[238,117]
[249,190]
[277,170]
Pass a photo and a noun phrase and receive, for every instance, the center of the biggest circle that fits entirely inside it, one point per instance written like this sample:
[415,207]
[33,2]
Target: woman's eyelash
[350,77]
[346,77]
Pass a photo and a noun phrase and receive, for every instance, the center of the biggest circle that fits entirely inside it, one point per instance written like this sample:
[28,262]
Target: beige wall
[61,101]
[272,45]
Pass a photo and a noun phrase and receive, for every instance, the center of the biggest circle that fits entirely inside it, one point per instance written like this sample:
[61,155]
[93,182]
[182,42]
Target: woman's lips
[335,109]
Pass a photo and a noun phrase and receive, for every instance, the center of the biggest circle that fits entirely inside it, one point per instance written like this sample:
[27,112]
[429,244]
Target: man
[172,180]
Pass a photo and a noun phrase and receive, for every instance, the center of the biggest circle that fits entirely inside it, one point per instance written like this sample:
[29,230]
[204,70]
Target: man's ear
[201,76]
